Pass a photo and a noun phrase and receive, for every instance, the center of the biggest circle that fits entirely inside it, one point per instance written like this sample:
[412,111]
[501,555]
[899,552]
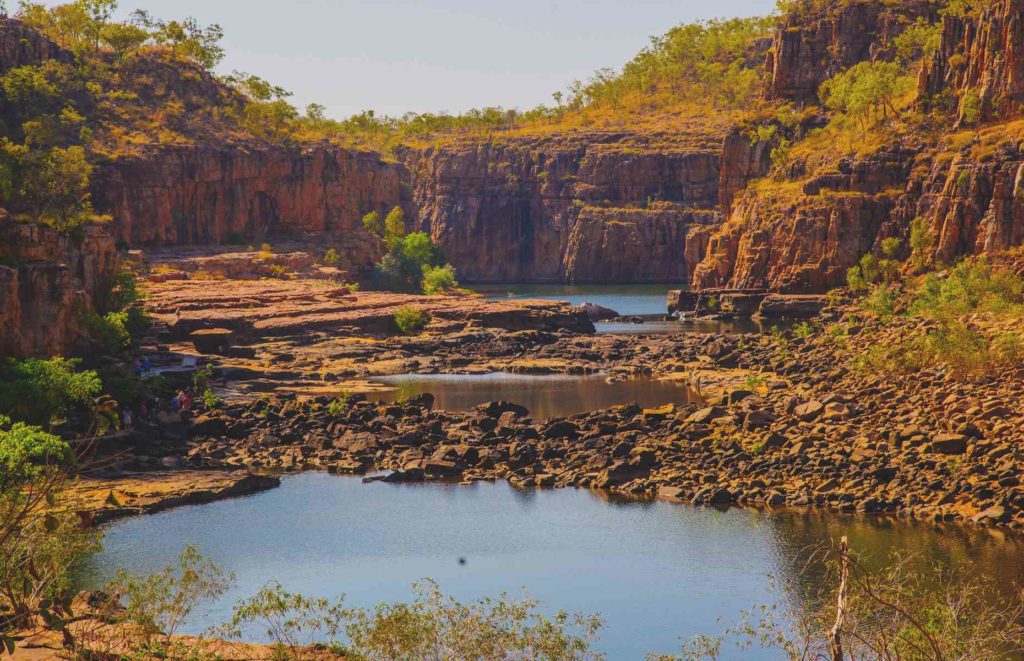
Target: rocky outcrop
[21,46]
[47,280]
[581,208]
[813,47]
[216,194]
[972,206]
[744,158]
[981,54]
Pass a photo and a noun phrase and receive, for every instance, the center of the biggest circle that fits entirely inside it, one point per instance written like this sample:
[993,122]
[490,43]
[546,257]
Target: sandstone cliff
[216,193]
[814,47]
[983,55]
[799,232]
[591,207]
[47,280]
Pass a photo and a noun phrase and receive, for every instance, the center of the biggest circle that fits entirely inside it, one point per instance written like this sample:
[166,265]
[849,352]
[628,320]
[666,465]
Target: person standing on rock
[126,419]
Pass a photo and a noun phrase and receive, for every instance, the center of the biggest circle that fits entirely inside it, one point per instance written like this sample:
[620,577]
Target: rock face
[204,195]
[20,45]
[582,208]
[984,54]
[46,280]
[813,48]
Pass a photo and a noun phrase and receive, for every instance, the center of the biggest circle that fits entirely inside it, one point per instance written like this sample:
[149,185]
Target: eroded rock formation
[983,55]
[581,208]
[47,281]
[813,48]
[217,194]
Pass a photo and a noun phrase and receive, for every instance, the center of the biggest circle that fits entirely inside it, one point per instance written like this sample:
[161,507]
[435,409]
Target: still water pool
[654,570]
[544,396]
[645,301]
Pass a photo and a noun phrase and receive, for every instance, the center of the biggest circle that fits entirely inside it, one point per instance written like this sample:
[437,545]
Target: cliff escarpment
[814,46]
[47,281]
[221,193]
[837,193]
[982,56]
[585,207]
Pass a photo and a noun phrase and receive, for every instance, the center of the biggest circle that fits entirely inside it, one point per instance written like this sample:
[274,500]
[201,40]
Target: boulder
[809,411]
[948,444]
[597,312]
[212,340]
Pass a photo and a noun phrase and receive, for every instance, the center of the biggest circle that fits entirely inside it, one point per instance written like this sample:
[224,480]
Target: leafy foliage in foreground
[44,392]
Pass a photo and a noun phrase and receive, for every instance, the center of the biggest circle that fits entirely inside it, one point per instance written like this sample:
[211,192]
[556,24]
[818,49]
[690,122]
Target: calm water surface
[545,396]
[627,300]
[646,301]
[654,570]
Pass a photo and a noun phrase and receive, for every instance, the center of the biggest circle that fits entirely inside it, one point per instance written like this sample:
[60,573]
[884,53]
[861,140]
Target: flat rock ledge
[102,499]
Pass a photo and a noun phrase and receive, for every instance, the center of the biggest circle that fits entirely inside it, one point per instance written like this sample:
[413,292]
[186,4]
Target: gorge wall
[47,281]
[223,193]
[816,45]
[800,233]
[595,207]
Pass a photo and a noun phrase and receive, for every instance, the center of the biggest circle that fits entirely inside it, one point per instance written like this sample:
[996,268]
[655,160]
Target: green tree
[55,187]
[866,90]
[394,227]
[411,320]
[374,224]
[43,392]
[123,38]
[25,451]
[100,13]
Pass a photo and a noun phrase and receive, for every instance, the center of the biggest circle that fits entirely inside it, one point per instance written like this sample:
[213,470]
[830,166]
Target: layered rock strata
[48,280]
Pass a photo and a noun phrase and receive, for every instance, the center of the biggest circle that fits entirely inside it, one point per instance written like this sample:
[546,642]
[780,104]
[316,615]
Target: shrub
[211,400]
[291,621]
[110,331]
[43,392]
[895,613]
[881,302]
[971,286]
[439,279]
[411,320]
[435,626]
[331,257]
[374,224]
[339,406]
[159,603]
[803,330]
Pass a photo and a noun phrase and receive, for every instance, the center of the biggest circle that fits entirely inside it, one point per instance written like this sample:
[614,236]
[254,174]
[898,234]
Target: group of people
[146,413]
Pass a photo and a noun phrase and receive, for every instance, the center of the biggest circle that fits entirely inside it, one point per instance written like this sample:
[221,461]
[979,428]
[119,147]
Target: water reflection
[627,300]
[654,570]
[544,396]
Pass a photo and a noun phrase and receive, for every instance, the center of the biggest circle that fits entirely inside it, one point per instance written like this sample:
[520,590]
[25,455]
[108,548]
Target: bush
[25,450]
[972,286]
[411,320]
[211,400]
[439,279]
[110,331]
[331,257]
[159,603]
[291,621]
[43,392]
[374,224]
[895,613]
[436,626]
[881,302]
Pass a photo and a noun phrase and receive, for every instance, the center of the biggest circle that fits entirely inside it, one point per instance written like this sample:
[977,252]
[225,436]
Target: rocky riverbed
[773,420]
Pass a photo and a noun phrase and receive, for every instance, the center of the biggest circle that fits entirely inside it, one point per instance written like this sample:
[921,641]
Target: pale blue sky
[443,55]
